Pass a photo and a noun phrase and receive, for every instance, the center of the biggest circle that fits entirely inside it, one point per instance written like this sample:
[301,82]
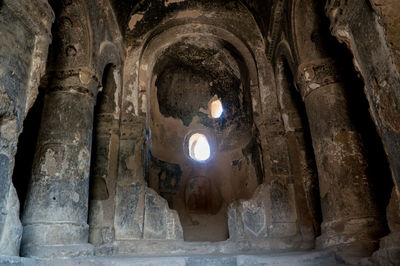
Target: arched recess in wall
[298,136]
[310,37]
[156,57]
[158,43]
[105,144]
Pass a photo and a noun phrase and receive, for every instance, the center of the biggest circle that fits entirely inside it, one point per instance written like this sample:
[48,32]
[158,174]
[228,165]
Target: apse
[200,123]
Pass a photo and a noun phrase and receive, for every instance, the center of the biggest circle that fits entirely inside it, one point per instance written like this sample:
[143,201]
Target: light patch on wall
[144,103]
[199,149]
[168,2]
[188,14]
[116,75]
[134,20]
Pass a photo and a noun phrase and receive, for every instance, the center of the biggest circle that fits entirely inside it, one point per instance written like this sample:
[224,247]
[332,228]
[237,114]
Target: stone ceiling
[123,9]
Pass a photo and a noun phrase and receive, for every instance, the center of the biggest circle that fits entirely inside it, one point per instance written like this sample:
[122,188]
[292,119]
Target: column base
[58,251]
[351,238]
[56,240]
[389,251]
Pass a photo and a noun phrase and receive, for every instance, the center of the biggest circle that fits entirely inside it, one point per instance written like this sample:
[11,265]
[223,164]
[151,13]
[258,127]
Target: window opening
[216,108]
[199,148]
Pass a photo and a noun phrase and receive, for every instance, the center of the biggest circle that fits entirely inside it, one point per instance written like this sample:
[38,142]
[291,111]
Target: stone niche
[243,197]
[188,76]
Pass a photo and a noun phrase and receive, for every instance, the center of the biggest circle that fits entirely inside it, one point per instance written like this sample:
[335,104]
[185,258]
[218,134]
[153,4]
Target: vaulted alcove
[187,77]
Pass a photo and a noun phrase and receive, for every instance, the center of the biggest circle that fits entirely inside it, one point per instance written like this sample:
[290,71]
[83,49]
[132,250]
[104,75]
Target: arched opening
[199,147]
[216,108]
[202,154]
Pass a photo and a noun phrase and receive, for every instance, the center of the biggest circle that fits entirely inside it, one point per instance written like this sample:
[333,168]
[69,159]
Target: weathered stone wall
[25,38]
[112,128]
[306,48]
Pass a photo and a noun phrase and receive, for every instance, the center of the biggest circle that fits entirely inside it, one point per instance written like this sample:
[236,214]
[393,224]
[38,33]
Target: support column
[351,222]
[380,70]
[56,210]
[104,162]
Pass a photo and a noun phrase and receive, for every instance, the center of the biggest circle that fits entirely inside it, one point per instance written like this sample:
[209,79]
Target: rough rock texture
[267,215]
[25,37]
[340,159]
[296,161]
[380,81]
[354,24]
[144,215]
[56,211]
[249,218]
[159,221]
[292,259]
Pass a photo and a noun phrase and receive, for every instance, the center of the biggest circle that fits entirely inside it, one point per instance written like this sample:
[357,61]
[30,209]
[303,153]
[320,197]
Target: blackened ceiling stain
[122,10]
[156,10]
[190,76]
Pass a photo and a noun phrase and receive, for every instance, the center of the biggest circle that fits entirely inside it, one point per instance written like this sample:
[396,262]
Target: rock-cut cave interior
[199,132]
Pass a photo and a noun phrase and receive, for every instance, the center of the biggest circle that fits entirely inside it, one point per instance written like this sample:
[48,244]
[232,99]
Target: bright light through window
[199,149]
[216,108]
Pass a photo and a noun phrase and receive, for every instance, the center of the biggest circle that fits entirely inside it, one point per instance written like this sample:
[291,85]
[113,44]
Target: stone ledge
[181,248]
[13,260]
[287,259]
[59,251]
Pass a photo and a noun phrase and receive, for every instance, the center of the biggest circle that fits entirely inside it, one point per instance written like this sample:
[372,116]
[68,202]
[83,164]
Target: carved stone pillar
[56,210]
[104,160]
[351,222]
[382,80]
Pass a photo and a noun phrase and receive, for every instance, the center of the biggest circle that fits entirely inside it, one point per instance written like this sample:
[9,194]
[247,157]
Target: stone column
[380,69]
[351,222]
[105,161]
[56,210]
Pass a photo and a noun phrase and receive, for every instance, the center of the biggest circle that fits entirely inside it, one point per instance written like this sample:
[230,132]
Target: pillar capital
[78,80]
[316,74]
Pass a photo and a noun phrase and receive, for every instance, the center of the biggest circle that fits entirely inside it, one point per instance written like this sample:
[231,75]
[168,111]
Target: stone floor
[287,259]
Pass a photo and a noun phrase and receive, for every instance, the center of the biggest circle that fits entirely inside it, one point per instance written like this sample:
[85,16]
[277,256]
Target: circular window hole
[199,148]
[216,108]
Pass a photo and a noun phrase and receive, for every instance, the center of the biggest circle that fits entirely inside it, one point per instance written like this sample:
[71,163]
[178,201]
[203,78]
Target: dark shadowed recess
[26,148]
[378,166]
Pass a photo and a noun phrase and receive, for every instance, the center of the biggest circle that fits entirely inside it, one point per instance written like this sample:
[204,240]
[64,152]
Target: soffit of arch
[106,36]
[239,34]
